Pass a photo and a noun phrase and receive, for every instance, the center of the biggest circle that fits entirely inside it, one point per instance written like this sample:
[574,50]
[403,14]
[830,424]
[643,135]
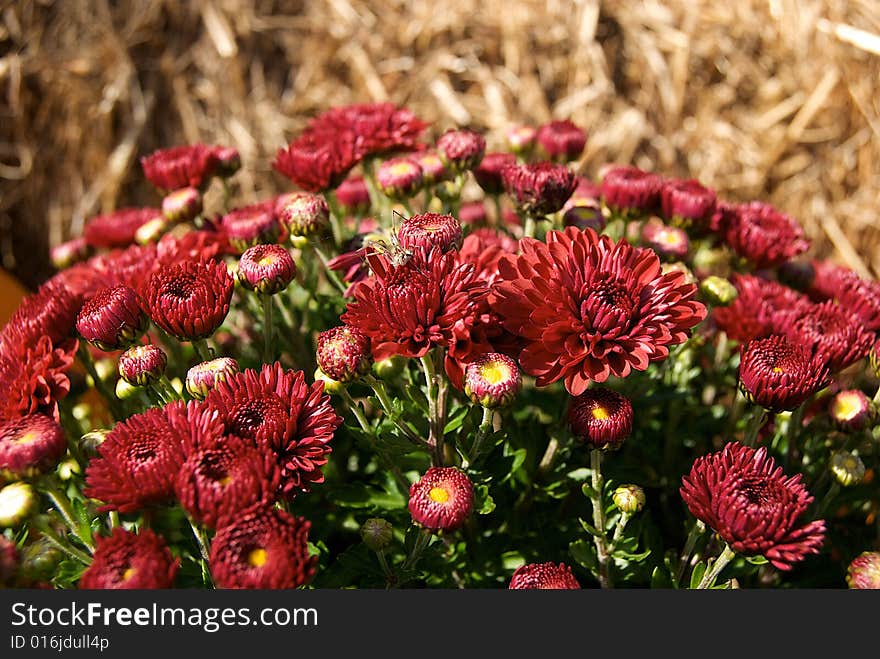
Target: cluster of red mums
[617,281]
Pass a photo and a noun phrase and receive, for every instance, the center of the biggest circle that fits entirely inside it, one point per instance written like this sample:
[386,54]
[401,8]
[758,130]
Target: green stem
[202,542]
[482,432]
[435,439]
[268,327]
[829,497]
[600,540]
[168,388]
[718,565]
[390,577]
[335,218]
[499,210]
[356,410]
[382,395]
[422,542]
[56,541]
[755,423]
[202,350]
[696,531]
[529,227]
[65,509]
[112,401]
[619,529]
[791,435]
[332,277]
[549,456]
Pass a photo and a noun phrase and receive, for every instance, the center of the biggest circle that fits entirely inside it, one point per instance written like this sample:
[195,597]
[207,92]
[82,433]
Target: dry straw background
[770,99]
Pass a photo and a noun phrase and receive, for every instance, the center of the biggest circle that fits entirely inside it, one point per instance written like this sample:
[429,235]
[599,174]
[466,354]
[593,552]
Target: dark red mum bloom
[343,353]
[304,214]
[836,337]
[540,188]
[561,140]
[864,571]
[442,499]
[861,298]
[743,496]
[208,243]
[137,463]
[51,311]
[631,191]
[34,372]
[778,374]
[399,178]
[251,225]
[118,229]
[430,230]
[317,162]
[588,308]
[760,309]
[266,269]
[189,300]
[687,203]
[112,319]
[600,417]
[461,149]
[131,266]
[127,560]
[484,249]
[262,547]
[543,576]
[762,235]
[276,407]
[374,128]
[220,480]
[142,365]
[180,166]
[488,173]
[30,445]
[353,195]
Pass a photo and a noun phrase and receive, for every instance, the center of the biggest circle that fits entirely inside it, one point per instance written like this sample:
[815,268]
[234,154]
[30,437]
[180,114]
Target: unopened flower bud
[718,291]
[203,377]
[112,318]
[18,501]
[228,161]
[70,252]
[125,390]
[864,571]
[377,533]
[142,365]
[68,468]
[851,410]
[39,560]
[152,230]
[521,139]
[343,353]
[847,468]
[601,417]
[90,442]
[667,241]
[182,205]
[266,269]
[389,368]
[305,214]
[331,386]
[433,169]
[874,358]
[630,499]
[353,195]
[461,150]
[585,217]
[399,178]
[493,380]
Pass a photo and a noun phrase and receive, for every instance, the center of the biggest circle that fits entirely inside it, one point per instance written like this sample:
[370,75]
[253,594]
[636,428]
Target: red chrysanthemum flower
[180,166]
[484,248]
[543,576]
[206,244]
[461,150]
[492,380]
[137,463]
[251,225]
[343,353]
[127,560]
[262,547]
[33,371]
[112,319]
[353,195]
[399,178]
[687,203]
[631,191]
[266,269]
[836,337]
[600,417]
[743,496]
[778,374]
[189,300]
[142,365]
[668,241]
[861,298]
[304,213]
[488,173]
[473,213]
[762,235]
[51,311]
[221,479]
[131,266]
[864,571]
[430,230]
[442,499]
[203,377]
[434,170]
[374,128]
[540,188]
[30,445]
[118,229]
[759,310]
[561,140]
[588,308]
[276,407]
[317,162]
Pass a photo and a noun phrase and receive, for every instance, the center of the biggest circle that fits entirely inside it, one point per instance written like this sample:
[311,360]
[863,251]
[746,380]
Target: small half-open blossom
[266,269]
[847,468]
[263,548]
[835,336]
[631,191]
[492,380]
[600,417]
[203,377]
[430,230]
[630,499]
[70,252]
[190,299]
[305,214]
[399,178]
[221,479]
[128,560]
[687,203]
[864,571]
[142,365]
[434,170]
[543,576]
[778,374]
[851,410]
[562,141]
[762,235]
[182,205]
[539,189]
[18,501]
[251,225]
[742,495]
[520,138]
[117,229]
[112,319]
[669,242]
[228,160]
[588,308]
[442,499]
[343,353]
[488,173]
[461,149]
[137,463]
[353,195]
[30,445]
[178,167]
[152,231]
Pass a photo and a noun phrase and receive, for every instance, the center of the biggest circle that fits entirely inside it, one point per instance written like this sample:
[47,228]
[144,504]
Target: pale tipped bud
[182,205]
[718,291]
[630,499]
[377,533]
[18,501]
[848,468]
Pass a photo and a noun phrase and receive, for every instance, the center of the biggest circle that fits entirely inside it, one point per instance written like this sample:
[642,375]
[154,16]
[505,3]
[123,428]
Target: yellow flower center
[226,480]
[267,260]
[846,407]
[128,574]
[402,169]
[776,369]
[257,558]
[600,413]
[439,494]
[27,438]
[495,373]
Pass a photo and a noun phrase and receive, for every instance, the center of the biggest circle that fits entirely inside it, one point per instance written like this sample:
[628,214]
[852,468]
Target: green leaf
[584,553]
[483,501]
[697,574]
[629,556]
[757,560]
[589,528]
[363,496]
[68,573]
[660,578]
[588,490]
[456,419]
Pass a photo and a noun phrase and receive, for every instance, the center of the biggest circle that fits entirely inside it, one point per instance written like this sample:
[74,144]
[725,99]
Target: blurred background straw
[770,99]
